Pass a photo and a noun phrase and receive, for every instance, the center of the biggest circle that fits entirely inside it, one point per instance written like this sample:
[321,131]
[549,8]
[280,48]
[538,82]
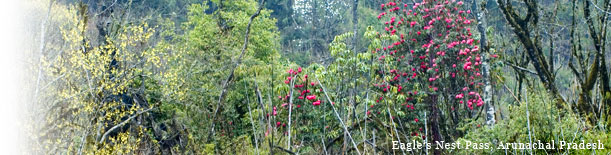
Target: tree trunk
[481,27]
[41,49]
[355,21]
[434,122]
[532,45]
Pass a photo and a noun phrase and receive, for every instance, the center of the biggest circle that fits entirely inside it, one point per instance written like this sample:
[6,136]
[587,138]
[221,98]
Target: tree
[586,73]
[197,72]
[429,56]
[532,44]
[97,89]
[480,12]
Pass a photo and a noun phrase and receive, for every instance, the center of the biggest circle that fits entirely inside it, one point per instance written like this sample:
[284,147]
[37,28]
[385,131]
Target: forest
[316,77]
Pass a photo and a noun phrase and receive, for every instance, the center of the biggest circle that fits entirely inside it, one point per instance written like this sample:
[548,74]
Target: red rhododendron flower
[316,103]
[311,97]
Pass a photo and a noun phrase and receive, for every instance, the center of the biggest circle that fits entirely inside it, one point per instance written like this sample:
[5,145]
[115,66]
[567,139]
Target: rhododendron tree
[301,109]
[428,59]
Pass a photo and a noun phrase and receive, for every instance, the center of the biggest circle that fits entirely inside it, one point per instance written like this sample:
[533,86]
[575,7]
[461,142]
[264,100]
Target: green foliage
[201,60]
[547,124]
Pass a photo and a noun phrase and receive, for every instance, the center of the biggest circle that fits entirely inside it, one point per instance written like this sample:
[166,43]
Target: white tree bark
[481,27]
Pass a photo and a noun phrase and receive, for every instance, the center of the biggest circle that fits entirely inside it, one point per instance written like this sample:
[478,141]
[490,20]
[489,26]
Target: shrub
[547,124]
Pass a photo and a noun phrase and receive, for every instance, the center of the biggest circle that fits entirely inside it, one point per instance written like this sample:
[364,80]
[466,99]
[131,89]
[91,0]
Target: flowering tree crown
[428,47]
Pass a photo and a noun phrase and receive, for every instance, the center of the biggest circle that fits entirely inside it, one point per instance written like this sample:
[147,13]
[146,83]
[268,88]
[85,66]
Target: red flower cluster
[301,85]
[434,38]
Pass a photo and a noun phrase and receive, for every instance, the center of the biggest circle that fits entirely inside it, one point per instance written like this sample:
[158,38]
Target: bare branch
[285,150]
[598,8]
[288,142]
[122,123]
[338,117]
[252,122]
[239,61]
[523,69]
